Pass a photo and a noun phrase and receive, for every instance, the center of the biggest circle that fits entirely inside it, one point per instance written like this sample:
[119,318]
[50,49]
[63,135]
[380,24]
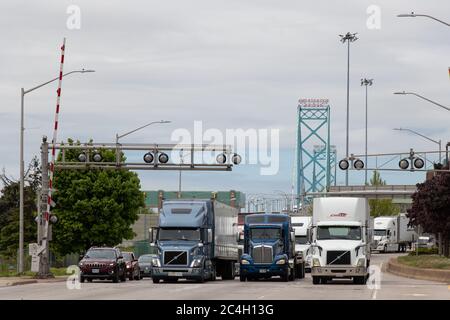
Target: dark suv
[103,263]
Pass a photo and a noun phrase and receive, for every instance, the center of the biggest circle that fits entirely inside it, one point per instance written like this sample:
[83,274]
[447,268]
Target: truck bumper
[263,270]
[339,271]
[179,273]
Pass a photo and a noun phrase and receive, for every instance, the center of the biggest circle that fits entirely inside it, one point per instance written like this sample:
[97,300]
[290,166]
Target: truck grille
[262,254]
[332,257]
[175,258]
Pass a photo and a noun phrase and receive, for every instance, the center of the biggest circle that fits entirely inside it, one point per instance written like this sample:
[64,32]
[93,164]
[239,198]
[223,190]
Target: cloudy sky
[232,64]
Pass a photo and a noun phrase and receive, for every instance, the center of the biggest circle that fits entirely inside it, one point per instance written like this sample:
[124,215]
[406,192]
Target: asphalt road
[390,287]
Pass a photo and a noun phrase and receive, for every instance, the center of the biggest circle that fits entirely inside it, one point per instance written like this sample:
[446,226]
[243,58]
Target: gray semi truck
[196,240]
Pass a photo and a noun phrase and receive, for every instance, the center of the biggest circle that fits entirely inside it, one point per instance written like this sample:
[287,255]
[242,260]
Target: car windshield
[265,233]
[379,232]
[127,256]
[179,234]
[100,254]
[339,232]
[145,259]
[301,240]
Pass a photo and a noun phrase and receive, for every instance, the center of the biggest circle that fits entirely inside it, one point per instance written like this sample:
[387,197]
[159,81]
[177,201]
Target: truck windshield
[265,233]
[338,232]
[379,232]
[179,234]
[301,240]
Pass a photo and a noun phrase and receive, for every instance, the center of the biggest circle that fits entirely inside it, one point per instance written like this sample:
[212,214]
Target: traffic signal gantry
[89,156]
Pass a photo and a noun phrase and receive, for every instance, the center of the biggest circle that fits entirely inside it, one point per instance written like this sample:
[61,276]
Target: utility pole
[366,82]
[348,37]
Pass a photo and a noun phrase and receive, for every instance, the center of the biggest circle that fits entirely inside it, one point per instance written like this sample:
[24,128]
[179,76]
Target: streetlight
[413,15]
[423,136]
[142,127]
[348,37]
[422,97]
[366,82]
[23,92]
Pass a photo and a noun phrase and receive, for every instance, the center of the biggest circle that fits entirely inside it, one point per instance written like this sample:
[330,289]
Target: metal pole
[348,107]
[440,150]
[365,171]
[43,269]
[21,203]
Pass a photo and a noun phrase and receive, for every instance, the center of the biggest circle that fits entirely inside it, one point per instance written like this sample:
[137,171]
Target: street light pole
[23,92]
[439,143]
[366,82]
[142,127]
[348,37]
[423,98]
[413,15]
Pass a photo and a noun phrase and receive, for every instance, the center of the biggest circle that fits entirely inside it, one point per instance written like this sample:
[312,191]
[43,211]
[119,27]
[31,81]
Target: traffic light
[414,162]
[148,157]
[163,158]
[358,164]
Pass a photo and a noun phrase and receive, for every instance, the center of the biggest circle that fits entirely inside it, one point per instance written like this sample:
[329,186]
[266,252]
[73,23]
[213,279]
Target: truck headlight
[243,261]
[281,261]
[156,262]
[361,262]
[316,262]
[196,263]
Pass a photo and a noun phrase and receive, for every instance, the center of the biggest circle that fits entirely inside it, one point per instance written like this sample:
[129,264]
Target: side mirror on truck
[238,236]
[150,234]
[292,234]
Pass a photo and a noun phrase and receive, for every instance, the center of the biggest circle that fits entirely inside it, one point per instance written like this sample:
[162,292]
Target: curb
[394,267]
[18,283]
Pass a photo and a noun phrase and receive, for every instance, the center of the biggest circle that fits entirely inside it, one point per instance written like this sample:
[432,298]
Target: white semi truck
[391,233]
[340,240]
[301,225]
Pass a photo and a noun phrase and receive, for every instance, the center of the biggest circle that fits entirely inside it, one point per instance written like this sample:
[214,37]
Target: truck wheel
[316,280]
[123,278]
[155,280]
[116,277]
[242,278]
[130,277]
[292,274]
[385,249]
[285,277]
[360,280]
[81,279]
[213,274]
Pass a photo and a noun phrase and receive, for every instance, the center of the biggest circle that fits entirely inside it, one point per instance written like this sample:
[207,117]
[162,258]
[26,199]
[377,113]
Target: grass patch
[55,271]
[426,261]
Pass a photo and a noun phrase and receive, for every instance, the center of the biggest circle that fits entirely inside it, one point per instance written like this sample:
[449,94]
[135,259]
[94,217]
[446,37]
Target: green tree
[95,206]
[381,207]
[9,210]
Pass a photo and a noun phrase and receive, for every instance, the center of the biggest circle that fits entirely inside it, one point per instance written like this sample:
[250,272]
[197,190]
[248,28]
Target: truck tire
[123,278]
[228,271]
[316,280]
[292,275]
[155,280]
[81,279]
[242,278]
[360,280]
[213,274]
[285,277]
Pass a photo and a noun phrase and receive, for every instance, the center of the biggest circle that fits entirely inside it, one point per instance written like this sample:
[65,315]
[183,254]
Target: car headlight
[112,264]
[80,264]
[361,262]
[243,261]
[156,262]
[316,262]
[196,263]
[281,261]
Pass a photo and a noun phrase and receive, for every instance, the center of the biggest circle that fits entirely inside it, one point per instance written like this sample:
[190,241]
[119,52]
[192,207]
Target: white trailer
[301,225]
[392,234]
[340,239]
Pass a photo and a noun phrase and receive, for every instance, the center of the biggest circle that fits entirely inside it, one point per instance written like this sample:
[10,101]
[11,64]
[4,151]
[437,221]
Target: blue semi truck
[196,240]
[269,249]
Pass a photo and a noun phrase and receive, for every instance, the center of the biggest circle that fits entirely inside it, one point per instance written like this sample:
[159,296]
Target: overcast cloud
[232,64]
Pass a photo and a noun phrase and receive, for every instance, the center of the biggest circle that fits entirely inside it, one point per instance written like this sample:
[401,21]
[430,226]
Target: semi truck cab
[340,239]
[269,248]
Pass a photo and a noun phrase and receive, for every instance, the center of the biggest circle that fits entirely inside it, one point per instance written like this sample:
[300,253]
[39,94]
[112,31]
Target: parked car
[145,264]
[103,263]
[132,265]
